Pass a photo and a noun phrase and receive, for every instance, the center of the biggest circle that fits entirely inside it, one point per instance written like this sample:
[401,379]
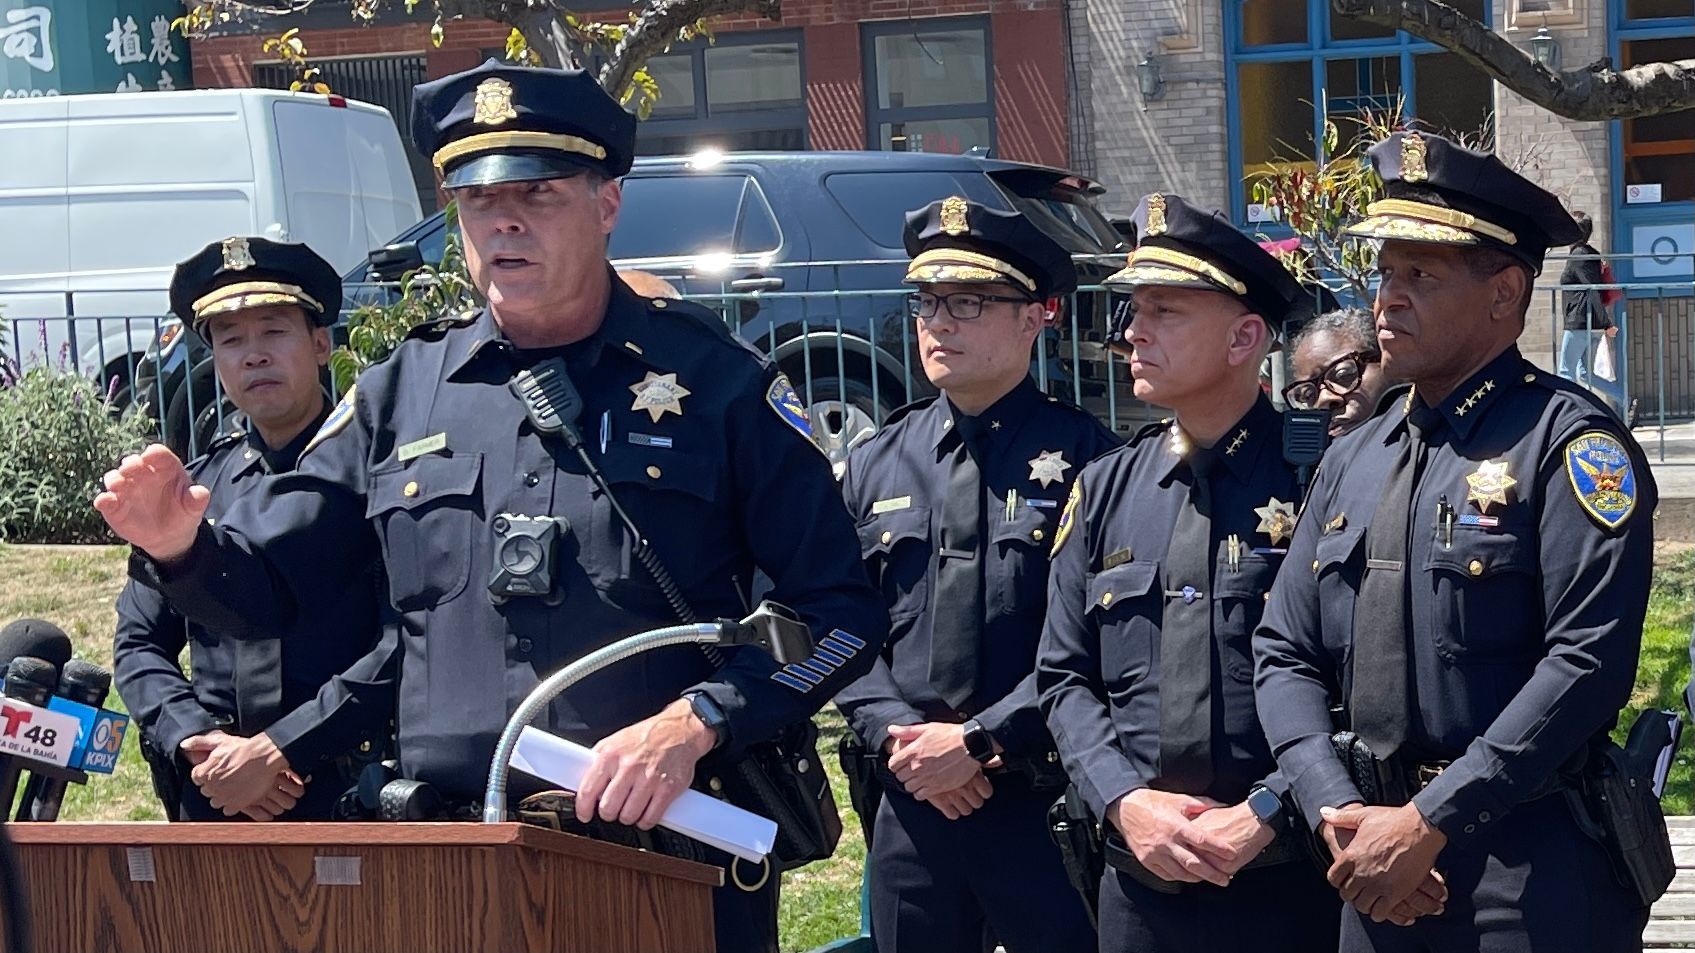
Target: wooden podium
[409,888]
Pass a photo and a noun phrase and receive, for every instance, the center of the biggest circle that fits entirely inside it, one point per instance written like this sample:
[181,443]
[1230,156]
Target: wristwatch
[711,715]
[1267,806]
[979,744]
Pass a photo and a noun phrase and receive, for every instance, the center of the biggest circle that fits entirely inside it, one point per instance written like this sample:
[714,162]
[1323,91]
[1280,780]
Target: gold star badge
[1489,485]
[494,102]
[237,255]
[658,394]
[1276,520]
[953,216]
[1049,468]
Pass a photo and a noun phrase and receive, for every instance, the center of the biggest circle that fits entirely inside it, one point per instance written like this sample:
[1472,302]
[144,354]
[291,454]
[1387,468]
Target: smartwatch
[979,744]
[712,716]
[1267,806]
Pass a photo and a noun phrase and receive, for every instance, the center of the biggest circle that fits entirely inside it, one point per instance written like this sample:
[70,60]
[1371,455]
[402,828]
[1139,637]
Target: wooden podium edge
[342,836]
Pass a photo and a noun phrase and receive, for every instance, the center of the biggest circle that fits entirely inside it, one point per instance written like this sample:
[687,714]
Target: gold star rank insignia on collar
[1490,485]
[1049,468]
[1236,442]
[1472,401]
[659,394]
[1276,520]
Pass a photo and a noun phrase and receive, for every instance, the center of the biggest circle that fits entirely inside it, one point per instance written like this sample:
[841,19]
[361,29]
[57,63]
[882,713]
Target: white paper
[706,819]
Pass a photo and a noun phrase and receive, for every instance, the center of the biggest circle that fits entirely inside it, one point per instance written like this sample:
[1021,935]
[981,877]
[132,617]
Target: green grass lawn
[76,586]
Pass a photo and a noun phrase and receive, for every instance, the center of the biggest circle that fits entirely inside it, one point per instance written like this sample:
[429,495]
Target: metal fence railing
[842,332]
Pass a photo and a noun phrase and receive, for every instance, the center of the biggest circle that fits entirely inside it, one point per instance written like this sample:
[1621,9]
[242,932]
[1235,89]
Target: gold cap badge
[237,256]
[494,102]
[1412,158]
[953,216]
[1156,214]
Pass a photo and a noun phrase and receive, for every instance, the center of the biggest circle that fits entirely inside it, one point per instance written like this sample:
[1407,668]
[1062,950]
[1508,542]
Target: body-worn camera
[525,549]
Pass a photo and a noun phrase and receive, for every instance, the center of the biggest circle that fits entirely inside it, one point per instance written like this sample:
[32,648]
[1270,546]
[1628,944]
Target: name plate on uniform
[418,448]
[890,506]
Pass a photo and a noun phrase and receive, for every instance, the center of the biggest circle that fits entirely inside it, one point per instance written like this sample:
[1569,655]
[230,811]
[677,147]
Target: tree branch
[1594,93]
[656,28]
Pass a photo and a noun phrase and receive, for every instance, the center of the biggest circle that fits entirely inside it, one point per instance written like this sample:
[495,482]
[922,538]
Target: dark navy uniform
[938,884]
[308,685]
[1113,650]
[1526,562]
[701,439]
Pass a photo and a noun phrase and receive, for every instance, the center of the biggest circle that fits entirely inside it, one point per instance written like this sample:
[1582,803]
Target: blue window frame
[1292,64]
[1659,150]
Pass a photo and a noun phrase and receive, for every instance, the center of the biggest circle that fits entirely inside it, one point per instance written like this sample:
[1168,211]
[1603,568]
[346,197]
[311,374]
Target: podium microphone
[29,680]
[83,687]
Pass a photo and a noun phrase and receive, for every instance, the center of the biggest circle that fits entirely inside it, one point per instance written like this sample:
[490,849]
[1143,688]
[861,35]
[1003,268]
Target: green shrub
[58,438]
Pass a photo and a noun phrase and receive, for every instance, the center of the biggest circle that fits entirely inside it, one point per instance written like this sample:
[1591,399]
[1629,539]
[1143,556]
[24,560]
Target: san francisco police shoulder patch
[1601,476]
[1068,517]
[336,422]
[783,399]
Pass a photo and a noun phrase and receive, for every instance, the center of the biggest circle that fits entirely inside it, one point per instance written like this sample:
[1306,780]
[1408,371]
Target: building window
[929,86]
[742,92]
[1295,65]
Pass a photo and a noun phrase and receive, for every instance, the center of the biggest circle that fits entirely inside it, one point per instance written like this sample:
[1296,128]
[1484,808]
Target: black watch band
[1267,806]
[712,716]
[979,744]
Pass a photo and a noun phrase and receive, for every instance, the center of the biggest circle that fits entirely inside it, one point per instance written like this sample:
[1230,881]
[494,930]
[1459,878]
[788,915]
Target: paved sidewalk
[1671,457]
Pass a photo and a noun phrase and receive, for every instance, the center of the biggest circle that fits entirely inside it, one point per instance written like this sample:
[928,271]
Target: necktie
[1378,704]
[957,619]
[1186,656]
[258,684]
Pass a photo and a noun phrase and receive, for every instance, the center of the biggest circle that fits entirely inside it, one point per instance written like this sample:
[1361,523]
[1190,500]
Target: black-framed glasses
[963,305]
[1340,377]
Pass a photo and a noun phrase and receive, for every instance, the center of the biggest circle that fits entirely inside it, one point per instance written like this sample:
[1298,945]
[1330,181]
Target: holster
[865,787]
[1077,835]
[783,779]
[167,776]
[1615,805]
[1380,783]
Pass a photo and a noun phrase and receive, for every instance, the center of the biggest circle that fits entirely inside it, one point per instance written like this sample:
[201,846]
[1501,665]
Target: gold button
[1106,598]
[888,538]
[715,784]
[659,303]
[365,746]
[1315,567]
[653,473]
[1476,567]
[1530,378]
[411,489]
[1037,535]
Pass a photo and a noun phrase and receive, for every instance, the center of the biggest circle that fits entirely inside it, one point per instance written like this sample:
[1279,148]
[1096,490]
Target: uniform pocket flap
[1480,554]
[423,480]
[1029,525]
[1121,583]
[1338,548]
[881,532]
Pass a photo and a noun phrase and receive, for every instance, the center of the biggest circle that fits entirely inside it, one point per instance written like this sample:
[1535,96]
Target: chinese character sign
[54,47]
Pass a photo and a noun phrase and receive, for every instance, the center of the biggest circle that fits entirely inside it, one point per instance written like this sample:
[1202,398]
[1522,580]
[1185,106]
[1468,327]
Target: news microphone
[83,687]
[31,681]
[36,639]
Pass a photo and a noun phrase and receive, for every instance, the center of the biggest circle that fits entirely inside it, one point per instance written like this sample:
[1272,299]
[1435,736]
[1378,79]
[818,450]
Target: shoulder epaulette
[1396,393]
[907,409]
[1154,429]
[432,330]
[223,441]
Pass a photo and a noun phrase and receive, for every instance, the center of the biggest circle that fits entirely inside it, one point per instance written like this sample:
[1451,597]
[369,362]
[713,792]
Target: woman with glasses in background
[1337,367]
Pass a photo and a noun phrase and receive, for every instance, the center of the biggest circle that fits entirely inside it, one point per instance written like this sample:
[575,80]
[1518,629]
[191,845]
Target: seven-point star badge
[1049,468]
[1489,485]
[1276,520]
[659,393]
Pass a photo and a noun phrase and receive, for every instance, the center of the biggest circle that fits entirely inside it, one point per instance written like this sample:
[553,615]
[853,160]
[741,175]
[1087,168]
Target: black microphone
[36,639]
[83,682]
[31,681]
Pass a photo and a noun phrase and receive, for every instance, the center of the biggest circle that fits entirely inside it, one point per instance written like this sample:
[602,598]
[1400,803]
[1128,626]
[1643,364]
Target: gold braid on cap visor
[500,141]
[1430,214]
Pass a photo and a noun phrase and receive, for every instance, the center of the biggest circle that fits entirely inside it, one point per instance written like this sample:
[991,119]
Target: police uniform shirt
[1029,448]
[704,445]
[1531,547]
[319,698]
[1099,670]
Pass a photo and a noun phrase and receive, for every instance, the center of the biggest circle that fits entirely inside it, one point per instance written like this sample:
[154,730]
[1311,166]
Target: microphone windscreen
[36,639]
[28,678]
[83,681]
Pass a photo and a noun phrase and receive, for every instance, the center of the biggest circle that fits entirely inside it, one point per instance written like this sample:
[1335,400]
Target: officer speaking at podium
[431,462]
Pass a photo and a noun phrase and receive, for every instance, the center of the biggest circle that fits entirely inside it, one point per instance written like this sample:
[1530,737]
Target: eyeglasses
[1340,377]
[963,305]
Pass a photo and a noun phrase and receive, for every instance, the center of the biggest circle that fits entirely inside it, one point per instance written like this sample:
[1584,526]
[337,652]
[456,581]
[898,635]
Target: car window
[684,216]
[877,202]
[1070,218]
[432,245]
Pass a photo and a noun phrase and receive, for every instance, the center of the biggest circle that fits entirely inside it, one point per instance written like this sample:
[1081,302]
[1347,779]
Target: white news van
[101,195]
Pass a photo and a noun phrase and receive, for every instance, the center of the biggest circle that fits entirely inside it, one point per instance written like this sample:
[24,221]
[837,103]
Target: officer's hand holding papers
[151,503]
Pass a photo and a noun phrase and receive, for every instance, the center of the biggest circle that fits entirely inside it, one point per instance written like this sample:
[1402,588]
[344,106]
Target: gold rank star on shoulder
[659,394]
[1049,467]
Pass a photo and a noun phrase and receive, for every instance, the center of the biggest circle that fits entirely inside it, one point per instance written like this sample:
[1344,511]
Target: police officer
[1163,557]
[1469,578]
[957,499]
[267,715]
[433,463]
